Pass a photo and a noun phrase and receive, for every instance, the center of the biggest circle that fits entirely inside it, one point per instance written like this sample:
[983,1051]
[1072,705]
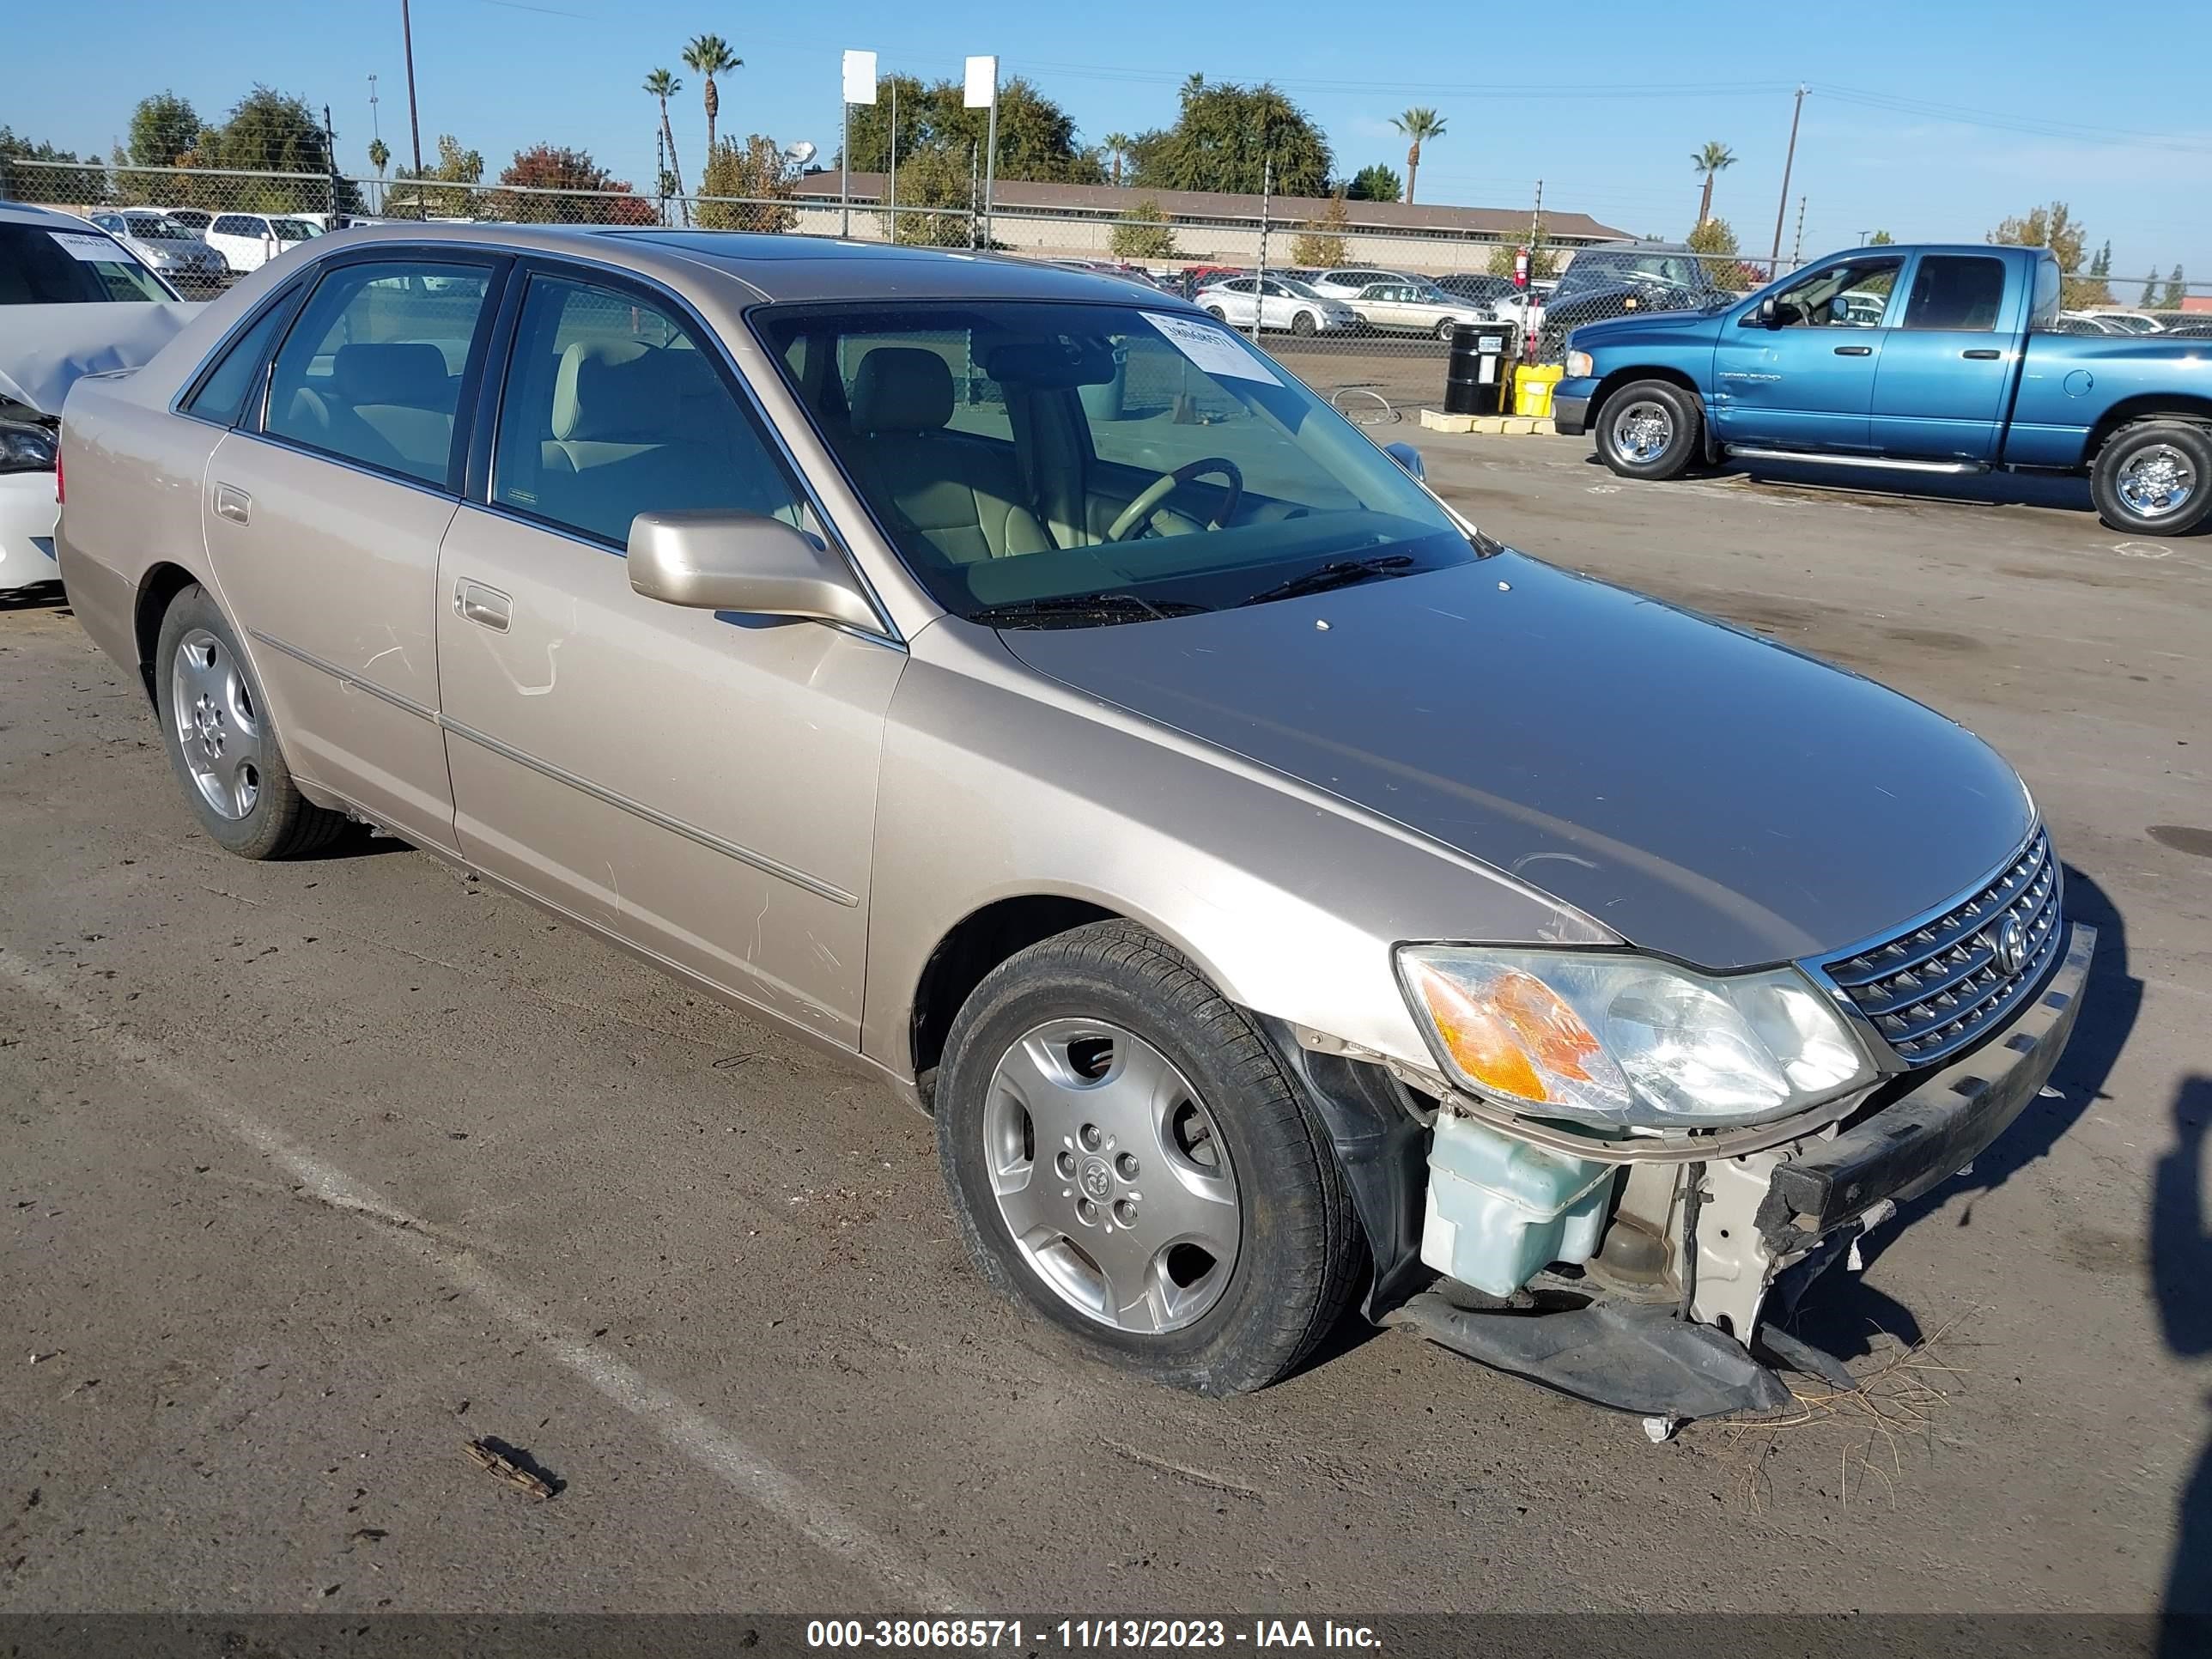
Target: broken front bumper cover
[1636,1357]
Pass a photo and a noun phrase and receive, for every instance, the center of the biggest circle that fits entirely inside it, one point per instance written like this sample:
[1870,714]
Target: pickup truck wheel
[1127,1159]
[1650,430]
[216,726]
[2154,478]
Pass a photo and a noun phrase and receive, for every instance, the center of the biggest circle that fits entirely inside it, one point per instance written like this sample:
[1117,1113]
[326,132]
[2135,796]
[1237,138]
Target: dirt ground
[311,1173]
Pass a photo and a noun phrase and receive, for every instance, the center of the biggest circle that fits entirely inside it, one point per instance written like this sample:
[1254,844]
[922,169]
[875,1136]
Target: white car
[1416,308]
[169,246]
[1278,302]
[251,241]
[73,301]
[1348,281]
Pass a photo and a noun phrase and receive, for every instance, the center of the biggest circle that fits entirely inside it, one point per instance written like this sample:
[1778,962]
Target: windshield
[1295,287]
[1022,456]
[147,227]
[44,267]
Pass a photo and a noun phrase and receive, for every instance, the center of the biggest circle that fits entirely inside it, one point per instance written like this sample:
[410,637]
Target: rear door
[324,510]
[1804,379]
[1940,392]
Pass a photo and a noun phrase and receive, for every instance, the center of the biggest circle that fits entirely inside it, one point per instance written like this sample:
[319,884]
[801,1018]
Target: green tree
[745,187]
[1543,262]
[535,186]
[419,196]
[1709,159]
[1326,242]
[2101,266]
[269,132]
[379,157]
[934,177]
[1145,234]
[1226,136]
[1420,125]
[1117,147]
[1374,183]
[87,187]
[706,57]
[664,86]
[1714,239]
[2149,300]
[1880,238]
[164,130]
[2054,226]
[2176,290]
[1036,136]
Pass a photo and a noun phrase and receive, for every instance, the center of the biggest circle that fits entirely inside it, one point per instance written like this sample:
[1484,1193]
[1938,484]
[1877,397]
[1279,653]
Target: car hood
[44,349]
[1643,321]
[1704,792]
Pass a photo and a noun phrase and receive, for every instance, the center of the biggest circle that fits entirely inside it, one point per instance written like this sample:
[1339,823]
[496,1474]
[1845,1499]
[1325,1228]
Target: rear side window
[2048,289]
[1960,292]
[235,224]
[371,371]
[222,396]
[612,409]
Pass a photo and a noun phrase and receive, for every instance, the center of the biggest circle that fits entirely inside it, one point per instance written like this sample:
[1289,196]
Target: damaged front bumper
[1674,1288]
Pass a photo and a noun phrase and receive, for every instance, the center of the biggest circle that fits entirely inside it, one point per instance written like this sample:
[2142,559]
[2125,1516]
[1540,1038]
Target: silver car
[1275,302]
[1282,896]
[168,246]
[1416,307]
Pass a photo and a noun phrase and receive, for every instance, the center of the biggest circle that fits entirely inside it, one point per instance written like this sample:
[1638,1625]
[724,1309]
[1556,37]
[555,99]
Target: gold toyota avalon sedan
[1282,894]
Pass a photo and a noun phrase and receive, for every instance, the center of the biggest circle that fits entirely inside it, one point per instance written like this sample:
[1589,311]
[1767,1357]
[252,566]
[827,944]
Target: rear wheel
[1127,1159]
[221,745]
[1650,430]
[2154,478]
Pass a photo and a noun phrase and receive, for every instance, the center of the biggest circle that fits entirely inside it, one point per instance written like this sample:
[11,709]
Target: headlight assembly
[26,448]
[1579,366]
[1625,1041]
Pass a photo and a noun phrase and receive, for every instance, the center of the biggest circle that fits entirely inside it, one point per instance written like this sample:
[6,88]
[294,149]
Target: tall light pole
[1782,208]
[413,121]
[980,91]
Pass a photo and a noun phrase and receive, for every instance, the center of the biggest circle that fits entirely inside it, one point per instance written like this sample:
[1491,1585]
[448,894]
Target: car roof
[22,213]
[777,268]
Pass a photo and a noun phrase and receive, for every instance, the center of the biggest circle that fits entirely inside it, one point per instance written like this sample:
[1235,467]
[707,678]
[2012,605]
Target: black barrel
[1478,371]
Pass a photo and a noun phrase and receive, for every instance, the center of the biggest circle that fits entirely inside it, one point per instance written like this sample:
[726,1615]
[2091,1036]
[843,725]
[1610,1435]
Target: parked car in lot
[1497,293]
[1278,303]
[168,246]
[1346,282]
[74,301]
[1967,365]
[1606,282]
[1416,308]
[1101,780]
[250,240]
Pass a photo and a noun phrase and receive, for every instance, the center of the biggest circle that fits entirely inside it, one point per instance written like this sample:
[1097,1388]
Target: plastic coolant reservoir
[1499,1210]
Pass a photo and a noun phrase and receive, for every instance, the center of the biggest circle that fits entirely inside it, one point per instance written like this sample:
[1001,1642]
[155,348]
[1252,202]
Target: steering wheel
[1149,499]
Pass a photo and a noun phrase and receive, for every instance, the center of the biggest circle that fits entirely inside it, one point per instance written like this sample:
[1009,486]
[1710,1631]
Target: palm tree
[664,86]
[1117,146]
[379,155]
[708,55]
[1709,161]
[1419,124]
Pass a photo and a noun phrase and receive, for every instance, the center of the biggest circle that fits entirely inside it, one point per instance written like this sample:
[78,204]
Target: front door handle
[1983,354]
[1854,351]
[232,503]
[487,607]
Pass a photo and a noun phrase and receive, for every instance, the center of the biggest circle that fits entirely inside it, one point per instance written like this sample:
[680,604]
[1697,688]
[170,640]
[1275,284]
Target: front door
[702,784]
[1940,393]
[322,518]
[1803,378]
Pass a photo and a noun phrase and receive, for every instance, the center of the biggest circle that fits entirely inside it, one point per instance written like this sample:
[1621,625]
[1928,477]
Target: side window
[231,224]
[371,371]
[2048,289]
[1853,296]
[1961,292]
[222,396]
[612,409]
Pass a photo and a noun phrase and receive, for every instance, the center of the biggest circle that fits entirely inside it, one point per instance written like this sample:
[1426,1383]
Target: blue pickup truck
[1929,360]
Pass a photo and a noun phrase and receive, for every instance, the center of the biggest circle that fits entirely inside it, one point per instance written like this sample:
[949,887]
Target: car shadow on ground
[1842,1312]
[36,596]
[2180,1275]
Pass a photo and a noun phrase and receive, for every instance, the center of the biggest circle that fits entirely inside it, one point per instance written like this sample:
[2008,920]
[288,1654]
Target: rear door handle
[487,607]
[1854,351]
[1983,354]
[232,503]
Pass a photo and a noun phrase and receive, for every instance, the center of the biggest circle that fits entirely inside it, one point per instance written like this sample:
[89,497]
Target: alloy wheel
[218,724]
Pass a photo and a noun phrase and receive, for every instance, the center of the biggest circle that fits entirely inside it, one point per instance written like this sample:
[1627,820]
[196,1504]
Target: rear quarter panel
[2074,386]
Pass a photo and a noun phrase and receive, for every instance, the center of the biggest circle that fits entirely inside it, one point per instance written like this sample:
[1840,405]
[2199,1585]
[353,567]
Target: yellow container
[1532,389]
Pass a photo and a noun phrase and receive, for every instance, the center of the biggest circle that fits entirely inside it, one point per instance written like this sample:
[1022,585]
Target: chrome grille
[1931,991]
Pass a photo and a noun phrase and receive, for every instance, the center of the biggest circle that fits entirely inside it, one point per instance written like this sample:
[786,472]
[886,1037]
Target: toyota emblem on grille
[2009,946]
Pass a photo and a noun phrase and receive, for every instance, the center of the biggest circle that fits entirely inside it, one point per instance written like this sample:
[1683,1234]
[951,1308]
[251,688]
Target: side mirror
[1408,457]
[717,561]
[1770,316]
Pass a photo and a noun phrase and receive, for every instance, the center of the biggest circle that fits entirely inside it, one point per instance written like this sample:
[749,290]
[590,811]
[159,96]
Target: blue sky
[1976,110]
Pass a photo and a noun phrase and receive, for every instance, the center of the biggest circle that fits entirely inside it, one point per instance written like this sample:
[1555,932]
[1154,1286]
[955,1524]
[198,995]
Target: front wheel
[1303,323]
[1217,313]
[1444,330]
[1129,1160]
[1650,430]
[2154,478]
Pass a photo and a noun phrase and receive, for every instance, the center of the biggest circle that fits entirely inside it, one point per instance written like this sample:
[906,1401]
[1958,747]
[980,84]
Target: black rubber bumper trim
[1571,416]
[1918,1142]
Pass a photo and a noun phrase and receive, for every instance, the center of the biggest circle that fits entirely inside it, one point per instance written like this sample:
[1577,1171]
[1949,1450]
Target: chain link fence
[1363,319]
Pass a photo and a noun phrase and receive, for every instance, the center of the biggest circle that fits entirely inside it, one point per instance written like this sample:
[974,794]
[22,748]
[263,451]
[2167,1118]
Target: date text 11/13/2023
[952,1634]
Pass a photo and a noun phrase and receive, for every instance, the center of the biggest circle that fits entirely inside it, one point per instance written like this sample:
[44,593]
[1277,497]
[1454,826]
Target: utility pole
[1782,208]
[1259,278]
[414,119]
[891,178]
[660,171]
[1797,247]
[1528,289]
[331,161]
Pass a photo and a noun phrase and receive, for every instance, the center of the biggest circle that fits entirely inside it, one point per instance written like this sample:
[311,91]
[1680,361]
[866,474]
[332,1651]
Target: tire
[2154,478]
[222,745]
[1650,430]
[1444,330]
[1217,313]
[1303,323]
[1189,1098]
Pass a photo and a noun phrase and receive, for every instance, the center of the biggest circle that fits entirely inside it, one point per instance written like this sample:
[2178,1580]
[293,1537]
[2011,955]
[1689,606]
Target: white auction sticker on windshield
[93,250]
[1214,349]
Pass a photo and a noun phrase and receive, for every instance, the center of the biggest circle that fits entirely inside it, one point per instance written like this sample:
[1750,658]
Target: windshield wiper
[1337,573]
[1077,609]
